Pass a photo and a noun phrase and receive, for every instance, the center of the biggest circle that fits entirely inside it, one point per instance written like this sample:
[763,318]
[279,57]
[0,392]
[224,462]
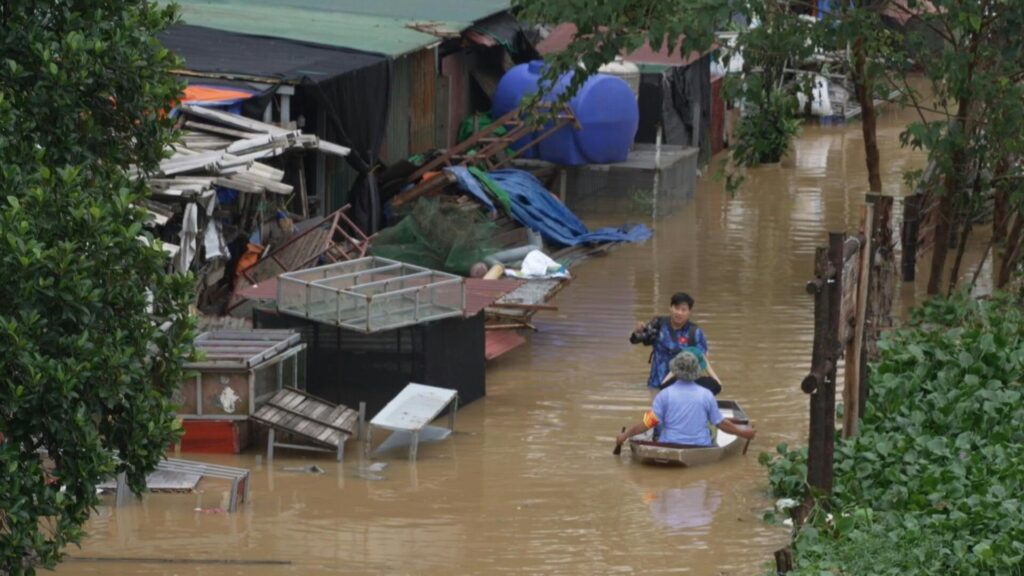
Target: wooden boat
[724,444]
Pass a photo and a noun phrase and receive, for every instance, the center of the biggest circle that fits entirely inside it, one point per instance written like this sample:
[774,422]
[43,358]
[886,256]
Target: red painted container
[215,436]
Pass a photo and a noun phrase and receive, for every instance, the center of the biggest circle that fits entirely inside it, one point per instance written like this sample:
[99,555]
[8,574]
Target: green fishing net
[438,235]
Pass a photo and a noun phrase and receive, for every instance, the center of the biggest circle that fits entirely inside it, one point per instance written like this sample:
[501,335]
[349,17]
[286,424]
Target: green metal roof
[384,26]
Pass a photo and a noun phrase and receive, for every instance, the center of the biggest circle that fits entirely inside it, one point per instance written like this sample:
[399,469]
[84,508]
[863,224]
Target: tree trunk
[865,94]
[961,248]
[940,240]
[968,225]
[944,219]
[1000,220]
[1012,254]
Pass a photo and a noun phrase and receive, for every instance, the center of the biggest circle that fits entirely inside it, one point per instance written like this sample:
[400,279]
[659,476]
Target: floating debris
[313,469]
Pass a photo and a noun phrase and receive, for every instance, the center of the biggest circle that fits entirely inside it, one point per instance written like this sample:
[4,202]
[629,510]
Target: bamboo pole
[851,390]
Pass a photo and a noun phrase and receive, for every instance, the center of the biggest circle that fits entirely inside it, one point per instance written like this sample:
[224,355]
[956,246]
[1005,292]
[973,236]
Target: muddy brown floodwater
[528,484]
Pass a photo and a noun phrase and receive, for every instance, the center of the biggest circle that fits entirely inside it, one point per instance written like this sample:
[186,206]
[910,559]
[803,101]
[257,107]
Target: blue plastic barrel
[520,81]
[605,107]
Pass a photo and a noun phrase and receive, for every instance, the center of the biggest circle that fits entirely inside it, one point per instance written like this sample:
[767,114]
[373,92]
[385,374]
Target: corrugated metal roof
[563,34]
[381,26]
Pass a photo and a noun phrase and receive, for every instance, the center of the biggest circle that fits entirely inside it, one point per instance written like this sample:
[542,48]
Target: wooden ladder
[491,153]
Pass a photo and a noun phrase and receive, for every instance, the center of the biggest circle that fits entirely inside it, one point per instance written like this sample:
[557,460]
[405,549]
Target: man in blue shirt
[684,410]
[668,336]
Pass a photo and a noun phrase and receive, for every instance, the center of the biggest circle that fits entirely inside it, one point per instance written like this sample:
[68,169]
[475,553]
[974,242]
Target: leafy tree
[968,50]
[607,29]
[93,329]
[976,141]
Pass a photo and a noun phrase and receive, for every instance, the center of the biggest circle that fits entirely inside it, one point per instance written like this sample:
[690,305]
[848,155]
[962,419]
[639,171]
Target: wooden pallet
[314,420]
[333,239]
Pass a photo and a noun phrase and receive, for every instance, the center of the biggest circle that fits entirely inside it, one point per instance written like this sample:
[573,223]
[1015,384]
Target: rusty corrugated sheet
[396,145]
[499,342]
[453,68]
[482,293]
[422,94]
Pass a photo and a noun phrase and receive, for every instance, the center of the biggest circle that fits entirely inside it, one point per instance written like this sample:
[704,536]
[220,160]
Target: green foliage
[606,29]
[932,483]
[93,330]
[764,135]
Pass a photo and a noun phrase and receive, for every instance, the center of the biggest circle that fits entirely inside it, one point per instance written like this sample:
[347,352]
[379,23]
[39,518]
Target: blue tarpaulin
[534,207]
[469,183]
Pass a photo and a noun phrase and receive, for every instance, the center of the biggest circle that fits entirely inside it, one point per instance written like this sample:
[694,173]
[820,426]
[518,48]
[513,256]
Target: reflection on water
[528,485]
[687,510]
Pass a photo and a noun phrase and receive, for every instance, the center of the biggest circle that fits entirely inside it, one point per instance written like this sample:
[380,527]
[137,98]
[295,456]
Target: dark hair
[682,298]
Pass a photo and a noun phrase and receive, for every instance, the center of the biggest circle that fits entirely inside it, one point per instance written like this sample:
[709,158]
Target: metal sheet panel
[453,69]
[422,97]
[397,139]
[414,407]
[393,28]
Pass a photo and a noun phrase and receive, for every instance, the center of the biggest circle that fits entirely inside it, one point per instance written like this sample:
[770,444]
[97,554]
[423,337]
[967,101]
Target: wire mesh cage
[371,294]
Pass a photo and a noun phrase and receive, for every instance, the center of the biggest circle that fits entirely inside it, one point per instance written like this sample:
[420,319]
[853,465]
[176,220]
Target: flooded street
[528,485]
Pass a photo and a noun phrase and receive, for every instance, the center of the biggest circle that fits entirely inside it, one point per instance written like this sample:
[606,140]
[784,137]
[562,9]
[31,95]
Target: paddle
[618,447]
[742,422]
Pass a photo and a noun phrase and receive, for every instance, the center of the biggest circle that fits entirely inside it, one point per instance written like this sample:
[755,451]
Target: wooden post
[836,245]
[817,383]
[855,348]
[300,168]
[881,288]
[911,227]
[784,561]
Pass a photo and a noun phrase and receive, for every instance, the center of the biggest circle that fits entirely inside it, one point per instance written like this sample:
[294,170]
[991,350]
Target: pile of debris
[226,196]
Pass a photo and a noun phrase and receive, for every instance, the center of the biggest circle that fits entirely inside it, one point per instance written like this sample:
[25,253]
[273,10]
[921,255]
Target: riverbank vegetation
[933,482]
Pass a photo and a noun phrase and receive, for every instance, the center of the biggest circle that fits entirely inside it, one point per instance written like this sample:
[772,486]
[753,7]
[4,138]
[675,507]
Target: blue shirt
[670,343]
[684,410]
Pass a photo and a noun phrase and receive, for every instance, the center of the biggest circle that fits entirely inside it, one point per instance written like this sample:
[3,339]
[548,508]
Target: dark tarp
[508,31]
[357,109]
[352,87]
[670,99]
[687,106]
[649,102]
[218,51]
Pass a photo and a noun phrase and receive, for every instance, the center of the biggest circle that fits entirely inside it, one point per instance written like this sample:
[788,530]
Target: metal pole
[362,421]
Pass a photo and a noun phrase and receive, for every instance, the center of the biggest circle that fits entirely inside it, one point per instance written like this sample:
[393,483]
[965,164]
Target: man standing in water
[670,335]
[684,410]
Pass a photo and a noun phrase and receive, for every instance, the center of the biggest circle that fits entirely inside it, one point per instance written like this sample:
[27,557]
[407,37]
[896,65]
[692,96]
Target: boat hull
[674,454]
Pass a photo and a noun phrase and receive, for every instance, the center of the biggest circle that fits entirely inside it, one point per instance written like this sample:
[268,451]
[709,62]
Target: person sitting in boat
[685,409]
[670,335]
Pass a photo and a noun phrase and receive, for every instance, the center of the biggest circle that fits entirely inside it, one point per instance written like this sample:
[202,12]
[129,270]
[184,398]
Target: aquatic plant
[932,483]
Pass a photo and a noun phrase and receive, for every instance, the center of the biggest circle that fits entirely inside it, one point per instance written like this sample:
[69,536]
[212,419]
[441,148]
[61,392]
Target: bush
[766,131]
[93,329]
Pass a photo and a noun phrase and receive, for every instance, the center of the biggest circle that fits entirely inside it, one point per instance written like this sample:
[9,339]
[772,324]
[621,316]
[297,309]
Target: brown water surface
[528,485]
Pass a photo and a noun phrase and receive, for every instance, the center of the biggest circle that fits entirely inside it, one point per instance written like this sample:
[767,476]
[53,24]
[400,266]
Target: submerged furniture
[325,426]
[189,472]
[409,414]
[237,372]
[723,444]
